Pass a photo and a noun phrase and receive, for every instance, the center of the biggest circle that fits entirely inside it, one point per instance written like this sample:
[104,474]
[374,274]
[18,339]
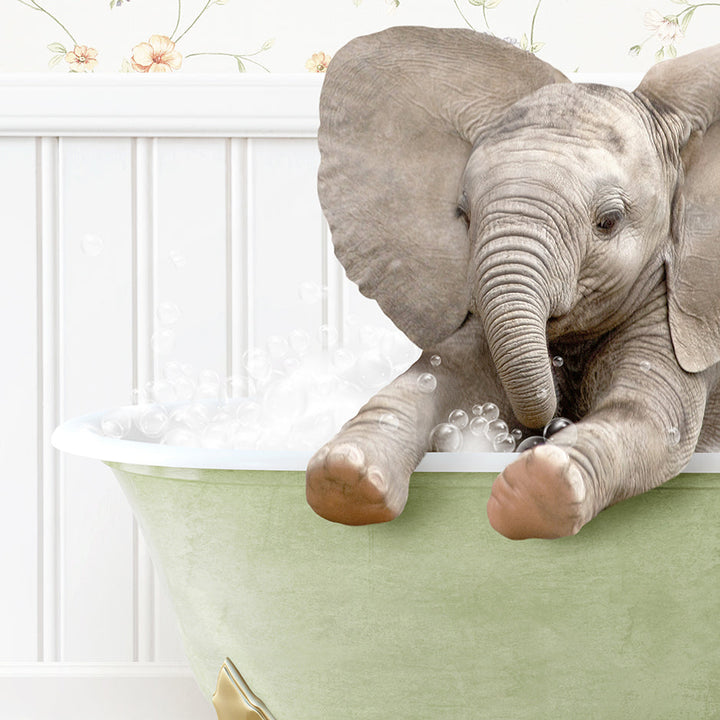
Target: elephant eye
[608,221]
[462,209]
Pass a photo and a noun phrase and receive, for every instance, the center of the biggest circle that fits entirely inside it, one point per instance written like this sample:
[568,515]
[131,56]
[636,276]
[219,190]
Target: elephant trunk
[514,305]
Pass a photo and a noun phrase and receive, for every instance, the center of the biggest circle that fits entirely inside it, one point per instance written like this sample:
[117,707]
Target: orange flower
[318,62]
[156,55]
[82,58]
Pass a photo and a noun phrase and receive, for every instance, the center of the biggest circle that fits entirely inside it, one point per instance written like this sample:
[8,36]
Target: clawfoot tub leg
[362,475]
[629,442]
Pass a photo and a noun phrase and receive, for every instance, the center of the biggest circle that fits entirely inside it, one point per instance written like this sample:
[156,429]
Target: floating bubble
[488,411]
[569,432]
[163,341]
[557,361]
[278,347]
[504,443]
[153,421]
[389,423]
[310,293]
[530,442]
[445,438]
[477,426]
[92,245]
[328,336]
[459,418]
[299,341]
[495,429]
[116,424]
[517,434]
[373,370]
[258,364]
[167,313]
[673,435]
[177,259]
[645,365]
[160,391]
[435,360]
[426,383]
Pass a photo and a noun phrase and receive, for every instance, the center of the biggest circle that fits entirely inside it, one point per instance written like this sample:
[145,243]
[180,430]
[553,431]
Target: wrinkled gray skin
[502,215]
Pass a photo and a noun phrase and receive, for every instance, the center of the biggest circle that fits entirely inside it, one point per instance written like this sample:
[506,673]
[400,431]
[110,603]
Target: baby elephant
[502,215]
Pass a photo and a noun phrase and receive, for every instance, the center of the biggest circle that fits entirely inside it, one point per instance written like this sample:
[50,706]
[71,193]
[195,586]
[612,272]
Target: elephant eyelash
[462,210]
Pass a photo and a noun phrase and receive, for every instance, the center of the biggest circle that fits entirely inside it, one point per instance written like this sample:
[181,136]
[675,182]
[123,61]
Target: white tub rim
[80,436]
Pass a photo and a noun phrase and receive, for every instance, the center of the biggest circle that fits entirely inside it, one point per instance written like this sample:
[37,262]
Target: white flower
[666,29]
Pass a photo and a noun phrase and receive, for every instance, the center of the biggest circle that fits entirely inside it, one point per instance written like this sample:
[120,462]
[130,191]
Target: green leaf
[681,2]
[524,42]
[241,65]
[687,18]
[537,47]
[57,48]
[55,60]
[672,51]
[268,44]
[660,54]
[635,50]
[490,4]
[477,3]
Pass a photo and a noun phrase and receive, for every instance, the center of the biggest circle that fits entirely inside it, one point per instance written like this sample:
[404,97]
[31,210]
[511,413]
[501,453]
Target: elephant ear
[685,93]
[399,112]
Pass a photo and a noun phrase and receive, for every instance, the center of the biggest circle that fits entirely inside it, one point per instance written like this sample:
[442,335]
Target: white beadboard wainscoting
[118,194]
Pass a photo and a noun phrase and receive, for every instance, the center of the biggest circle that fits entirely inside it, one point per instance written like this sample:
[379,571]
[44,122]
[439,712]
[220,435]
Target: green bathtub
[433,615]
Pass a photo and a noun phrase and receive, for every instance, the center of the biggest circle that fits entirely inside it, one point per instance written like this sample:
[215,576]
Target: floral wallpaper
[288,36]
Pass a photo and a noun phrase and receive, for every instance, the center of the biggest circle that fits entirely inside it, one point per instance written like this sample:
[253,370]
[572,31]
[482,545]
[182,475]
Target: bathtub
[287,616]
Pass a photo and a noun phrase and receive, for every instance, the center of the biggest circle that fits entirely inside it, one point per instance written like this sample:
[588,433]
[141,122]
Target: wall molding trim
[130,105]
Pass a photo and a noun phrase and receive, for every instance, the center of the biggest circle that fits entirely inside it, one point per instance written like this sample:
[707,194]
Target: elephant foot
[343,486]
[540,495]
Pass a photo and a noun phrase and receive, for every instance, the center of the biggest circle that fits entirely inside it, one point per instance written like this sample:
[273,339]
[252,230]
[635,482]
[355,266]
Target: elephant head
[460,174]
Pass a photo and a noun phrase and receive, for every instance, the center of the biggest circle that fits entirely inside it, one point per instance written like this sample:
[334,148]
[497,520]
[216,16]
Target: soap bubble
[194,416]
[388,423]
[163,341]
[277,346]
[435,360]
[487,411]
[673,436]
[445,438]
[530,442]
[373,370]
[495,429]
[92,245]
[517,434]
[160,391]
[153,421]
[458,418]
[557,361]
[504,443]
[216,435]
[116,424]
[167,313]
[426,383]
[258,364]
[477,426]
[299,341]
[177,259]
[310,293]
[328,336]
[645,365]
[569,434]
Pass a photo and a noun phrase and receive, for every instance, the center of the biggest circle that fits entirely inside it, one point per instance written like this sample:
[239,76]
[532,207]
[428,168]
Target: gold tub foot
[234,700]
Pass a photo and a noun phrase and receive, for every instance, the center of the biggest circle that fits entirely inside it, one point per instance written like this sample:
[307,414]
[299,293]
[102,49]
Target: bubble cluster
[481,431]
